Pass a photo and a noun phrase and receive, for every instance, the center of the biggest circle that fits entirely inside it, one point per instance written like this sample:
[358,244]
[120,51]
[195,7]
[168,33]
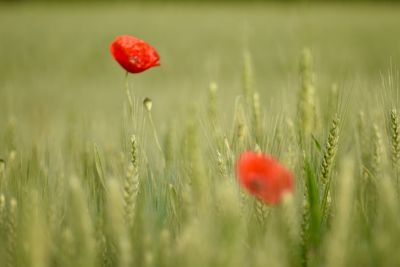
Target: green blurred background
[55,64]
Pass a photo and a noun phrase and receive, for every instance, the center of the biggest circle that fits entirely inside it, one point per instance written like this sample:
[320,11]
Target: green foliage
[103,190]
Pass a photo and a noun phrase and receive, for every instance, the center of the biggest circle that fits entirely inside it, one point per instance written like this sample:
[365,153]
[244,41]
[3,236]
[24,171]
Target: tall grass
[180,204]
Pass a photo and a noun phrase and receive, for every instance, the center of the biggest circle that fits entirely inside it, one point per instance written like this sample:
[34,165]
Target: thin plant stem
[128,94]
[155,132]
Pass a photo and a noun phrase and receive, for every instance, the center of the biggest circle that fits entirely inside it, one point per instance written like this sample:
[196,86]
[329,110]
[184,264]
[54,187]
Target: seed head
[148,104]
[2,165]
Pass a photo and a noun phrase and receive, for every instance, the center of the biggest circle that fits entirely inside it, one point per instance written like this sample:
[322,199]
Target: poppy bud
[148,104]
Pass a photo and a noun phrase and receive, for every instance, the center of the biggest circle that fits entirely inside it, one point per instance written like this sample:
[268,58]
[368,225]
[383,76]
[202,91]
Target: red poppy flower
[264,177]
[133,54]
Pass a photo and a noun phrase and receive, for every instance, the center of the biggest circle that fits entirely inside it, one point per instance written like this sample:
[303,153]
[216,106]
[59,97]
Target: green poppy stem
[128,94]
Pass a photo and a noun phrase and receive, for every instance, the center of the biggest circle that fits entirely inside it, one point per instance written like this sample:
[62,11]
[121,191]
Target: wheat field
[93,175]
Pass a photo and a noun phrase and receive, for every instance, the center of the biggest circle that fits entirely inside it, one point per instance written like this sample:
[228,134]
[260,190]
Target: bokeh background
[67,157]
[55,64]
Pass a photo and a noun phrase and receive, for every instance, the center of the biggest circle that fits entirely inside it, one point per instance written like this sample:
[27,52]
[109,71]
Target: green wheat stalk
[11,233]
[2,173]
[37,238]
[240,130]
[327,164]
[330,151]
[99,167]
[81,225]
[378,151]
[223,172]
[131,184]
[117,232]
[395,136]
[212,112]
[257,117]
[262,212]
[2,213]
[304,233]
[306,105]
[340,232]
[395,144]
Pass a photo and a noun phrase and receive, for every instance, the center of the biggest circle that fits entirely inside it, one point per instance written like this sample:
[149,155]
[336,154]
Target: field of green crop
[84,183]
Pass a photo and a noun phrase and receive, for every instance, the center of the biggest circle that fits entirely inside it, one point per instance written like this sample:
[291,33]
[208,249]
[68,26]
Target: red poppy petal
[263,176]
[133,54]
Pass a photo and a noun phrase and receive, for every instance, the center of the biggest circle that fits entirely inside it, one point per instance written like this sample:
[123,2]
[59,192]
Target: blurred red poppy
[133,54]
[264,177]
